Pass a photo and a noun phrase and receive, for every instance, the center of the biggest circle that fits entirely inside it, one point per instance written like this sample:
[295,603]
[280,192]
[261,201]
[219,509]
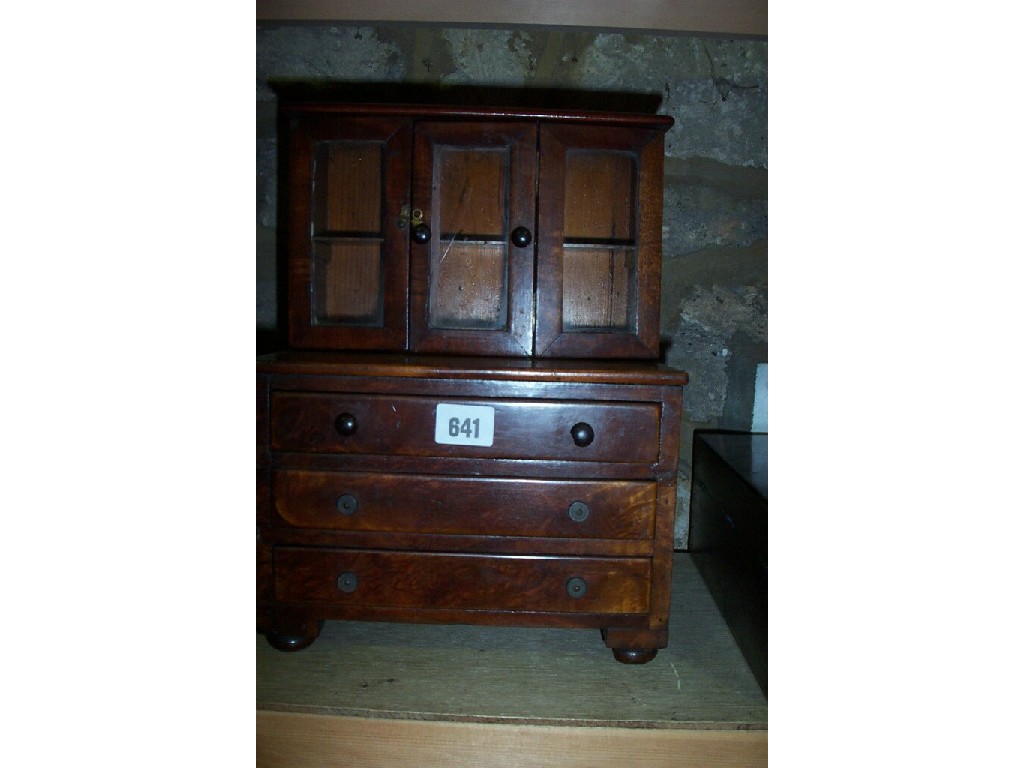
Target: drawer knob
[347,504]
[521,237]
[348,582]
[579,511]
[576,587]
[346,425]
[582,434]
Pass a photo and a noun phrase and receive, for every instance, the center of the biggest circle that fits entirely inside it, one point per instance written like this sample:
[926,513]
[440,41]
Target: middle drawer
[353,501]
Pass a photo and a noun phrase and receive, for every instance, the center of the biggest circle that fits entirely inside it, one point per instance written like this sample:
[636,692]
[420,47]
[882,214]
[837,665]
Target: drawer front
[462,582]
[352,501]
[618,432]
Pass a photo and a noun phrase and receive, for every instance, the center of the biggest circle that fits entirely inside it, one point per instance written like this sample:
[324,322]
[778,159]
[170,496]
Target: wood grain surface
[725,17]
[292,740]
[521,676]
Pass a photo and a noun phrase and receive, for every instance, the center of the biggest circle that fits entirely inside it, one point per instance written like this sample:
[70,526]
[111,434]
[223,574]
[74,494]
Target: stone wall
[714,319]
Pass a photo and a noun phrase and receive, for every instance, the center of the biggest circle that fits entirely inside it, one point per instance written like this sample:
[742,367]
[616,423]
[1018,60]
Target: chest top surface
[401,366]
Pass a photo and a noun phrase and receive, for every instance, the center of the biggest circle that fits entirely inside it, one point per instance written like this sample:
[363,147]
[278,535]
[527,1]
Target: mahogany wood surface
[470,582]
[565,217]
[491,369]
[459,533]
[491,192]
[498,260]
[436,249]
[482,506]
[300,139]
[527,429]
[301,103]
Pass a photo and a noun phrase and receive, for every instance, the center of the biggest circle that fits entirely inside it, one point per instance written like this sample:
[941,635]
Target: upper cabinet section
[472,232]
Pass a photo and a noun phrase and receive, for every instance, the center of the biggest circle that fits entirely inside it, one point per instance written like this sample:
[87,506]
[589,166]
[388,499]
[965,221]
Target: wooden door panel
[347,251]
[471,287]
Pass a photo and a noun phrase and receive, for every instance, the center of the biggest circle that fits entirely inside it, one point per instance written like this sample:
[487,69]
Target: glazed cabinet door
[472,257]
[347,233]
[599,241]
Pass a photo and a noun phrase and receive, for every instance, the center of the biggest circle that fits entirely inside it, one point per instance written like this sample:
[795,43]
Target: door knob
[521,237]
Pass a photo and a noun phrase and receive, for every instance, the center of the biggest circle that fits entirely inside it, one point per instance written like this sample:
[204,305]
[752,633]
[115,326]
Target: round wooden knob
[346,425]
[521,237]
[582,434]
[421,233]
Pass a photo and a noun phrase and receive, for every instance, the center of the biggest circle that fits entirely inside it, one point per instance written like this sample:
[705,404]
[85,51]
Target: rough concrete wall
[715,274]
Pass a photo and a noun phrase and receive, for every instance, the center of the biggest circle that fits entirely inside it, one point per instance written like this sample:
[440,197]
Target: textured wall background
[715,274]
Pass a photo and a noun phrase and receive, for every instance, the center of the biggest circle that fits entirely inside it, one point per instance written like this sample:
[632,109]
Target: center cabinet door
[471,259]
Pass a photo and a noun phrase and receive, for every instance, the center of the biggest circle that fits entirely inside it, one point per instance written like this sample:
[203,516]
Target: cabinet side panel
[664,533]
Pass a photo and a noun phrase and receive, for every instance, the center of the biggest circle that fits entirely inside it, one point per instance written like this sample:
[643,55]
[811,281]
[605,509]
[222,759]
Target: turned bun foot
[285,641]
[634,655]
[634,646]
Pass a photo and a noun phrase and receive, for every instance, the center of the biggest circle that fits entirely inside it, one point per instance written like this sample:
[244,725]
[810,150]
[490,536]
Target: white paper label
[464,424]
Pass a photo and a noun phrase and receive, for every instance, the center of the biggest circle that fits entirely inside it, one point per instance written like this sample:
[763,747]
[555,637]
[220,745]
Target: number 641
[465,427]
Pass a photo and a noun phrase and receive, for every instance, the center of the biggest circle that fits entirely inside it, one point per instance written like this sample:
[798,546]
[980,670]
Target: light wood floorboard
[367,694]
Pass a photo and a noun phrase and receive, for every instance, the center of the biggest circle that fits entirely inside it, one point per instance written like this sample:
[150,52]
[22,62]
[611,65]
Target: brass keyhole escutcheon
[409,217]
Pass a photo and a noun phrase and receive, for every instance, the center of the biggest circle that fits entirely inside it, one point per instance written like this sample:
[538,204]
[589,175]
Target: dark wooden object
[374,520]
[729,535]
[528,244]
[422,229]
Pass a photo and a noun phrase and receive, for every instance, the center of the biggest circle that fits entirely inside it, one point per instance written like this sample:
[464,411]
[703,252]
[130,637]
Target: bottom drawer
[462,581]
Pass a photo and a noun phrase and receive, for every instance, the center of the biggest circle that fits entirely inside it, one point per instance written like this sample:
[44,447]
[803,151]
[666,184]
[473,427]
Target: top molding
[738,18]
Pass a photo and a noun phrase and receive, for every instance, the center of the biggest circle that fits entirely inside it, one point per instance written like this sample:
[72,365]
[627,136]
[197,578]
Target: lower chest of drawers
[374,502]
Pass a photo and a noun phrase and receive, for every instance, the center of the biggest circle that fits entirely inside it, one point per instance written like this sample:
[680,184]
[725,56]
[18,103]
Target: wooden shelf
[401,694]
[724,17]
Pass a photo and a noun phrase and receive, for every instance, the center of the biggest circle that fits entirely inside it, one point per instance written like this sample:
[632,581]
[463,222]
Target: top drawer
[568,430]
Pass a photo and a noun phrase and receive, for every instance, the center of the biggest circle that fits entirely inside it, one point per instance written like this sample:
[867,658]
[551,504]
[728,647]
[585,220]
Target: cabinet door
[347,243]
[472,258]
[599,241]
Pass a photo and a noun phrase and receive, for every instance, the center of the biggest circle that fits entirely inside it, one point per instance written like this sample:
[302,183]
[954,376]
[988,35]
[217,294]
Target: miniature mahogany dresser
[470,424]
